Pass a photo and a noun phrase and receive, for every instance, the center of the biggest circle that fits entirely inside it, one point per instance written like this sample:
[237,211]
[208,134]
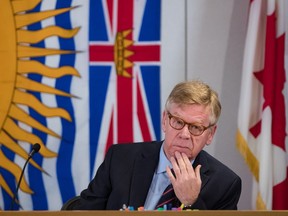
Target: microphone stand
[35,149]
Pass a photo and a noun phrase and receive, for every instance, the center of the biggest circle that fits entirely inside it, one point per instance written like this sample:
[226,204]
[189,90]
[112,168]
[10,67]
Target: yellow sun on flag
[15,64]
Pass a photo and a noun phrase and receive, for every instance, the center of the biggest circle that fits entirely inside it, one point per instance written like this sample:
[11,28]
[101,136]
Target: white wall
[205,39]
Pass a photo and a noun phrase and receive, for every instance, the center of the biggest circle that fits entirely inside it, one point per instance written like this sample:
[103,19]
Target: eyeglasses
[178,123]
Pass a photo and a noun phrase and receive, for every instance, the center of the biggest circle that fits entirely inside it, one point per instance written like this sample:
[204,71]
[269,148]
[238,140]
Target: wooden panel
[143,213]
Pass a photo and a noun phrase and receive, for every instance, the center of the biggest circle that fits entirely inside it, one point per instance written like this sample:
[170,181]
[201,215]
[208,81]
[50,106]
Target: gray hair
[196,92]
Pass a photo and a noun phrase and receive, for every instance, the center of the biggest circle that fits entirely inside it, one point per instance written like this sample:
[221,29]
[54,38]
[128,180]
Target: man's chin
[185,151]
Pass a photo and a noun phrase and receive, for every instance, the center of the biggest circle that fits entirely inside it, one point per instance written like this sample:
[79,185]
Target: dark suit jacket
[127,171]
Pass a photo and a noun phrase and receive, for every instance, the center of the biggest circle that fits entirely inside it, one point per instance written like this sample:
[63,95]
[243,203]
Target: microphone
[35,148]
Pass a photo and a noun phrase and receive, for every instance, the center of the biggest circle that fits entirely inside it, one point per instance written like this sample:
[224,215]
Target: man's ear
[211,134]
[164,115]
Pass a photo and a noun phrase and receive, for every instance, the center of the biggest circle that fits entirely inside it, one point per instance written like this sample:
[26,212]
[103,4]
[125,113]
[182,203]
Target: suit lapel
[201,159]
[143,172]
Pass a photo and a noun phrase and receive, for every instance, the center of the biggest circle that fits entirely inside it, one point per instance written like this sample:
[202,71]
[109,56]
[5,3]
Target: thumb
[170,174]
[197,171]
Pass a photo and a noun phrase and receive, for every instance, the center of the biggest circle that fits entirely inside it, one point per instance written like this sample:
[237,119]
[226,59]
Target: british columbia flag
[87,77]
[125,69]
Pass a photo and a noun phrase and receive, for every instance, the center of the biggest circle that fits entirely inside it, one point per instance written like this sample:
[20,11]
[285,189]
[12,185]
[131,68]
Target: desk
[143,213]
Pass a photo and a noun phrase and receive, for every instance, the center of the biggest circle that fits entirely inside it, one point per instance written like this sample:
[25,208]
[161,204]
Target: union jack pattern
[89,78]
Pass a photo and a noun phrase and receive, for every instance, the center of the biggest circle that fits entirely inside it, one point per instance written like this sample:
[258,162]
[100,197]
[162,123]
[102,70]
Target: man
[137,174]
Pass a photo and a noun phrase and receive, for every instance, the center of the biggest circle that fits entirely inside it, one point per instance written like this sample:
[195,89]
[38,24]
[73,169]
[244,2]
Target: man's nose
[185,133]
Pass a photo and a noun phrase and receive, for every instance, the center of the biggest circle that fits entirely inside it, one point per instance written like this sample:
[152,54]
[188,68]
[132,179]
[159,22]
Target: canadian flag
[262,118]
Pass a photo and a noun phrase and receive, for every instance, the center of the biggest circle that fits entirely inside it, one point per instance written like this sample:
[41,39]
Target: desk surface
[143,213]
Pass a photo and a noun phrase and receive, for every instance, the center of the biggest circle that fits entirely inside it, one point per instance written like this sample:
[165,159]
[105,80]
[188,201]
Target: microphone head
[36,147]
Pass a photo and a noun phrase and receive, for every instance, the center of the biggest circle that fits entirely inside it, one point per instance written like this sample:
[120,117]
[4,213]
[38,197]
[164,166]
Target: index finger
[187,162]
[180,161]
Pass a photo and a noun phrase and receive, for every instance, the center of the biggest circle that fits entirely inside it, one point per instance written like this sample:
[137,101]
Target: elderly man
[138,174]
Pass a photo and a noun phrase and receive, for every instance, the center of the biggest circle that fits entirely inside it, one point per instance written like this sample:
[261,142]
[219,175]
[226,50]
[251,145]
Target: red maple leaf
[273,79]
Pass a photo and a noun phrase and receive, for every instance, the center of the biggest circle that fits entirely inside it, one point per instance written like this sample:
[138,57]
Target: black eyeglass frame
[186,123]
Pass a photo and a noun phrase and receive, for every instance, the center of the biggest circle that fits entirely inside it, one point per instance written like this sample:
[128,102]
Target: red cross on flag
[262,117]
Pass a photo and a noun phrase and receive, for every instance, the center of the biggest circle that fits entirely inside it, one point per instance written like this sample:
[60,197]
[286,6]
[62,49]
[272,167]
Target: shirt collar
[163,161]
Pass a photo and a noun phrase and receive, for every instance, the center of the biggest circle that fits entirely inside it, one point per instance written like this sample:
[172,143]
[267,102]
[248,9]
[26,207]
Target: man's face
[182,140]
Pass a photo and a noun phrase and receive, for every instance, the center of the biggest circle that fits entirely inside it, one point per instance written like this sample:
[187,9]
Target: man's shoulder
[215,165]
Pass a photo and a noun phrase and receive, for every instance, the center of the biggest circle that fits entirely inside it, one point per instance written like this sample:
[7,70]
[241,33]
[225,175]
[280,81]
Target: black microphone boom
[36,147]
